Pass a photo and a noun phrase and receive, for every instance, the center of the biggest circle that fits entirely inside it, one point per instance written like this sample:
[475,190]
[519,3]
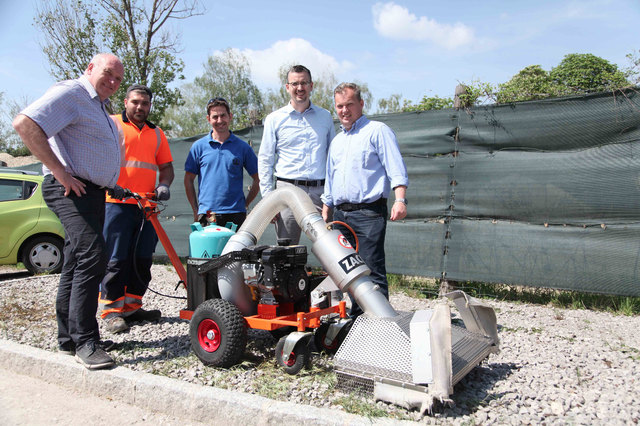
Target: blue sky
[411,47]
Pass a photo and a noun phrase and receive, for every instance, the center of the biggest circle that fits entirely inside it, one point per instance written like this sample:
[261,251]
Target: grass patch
[357,405]
[629,351]
[428,288]
[416,287]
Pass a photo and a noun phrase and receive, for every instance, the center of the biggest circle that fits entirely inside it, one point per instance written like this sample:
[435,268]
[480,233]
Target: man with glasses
[294,148]
[218,160]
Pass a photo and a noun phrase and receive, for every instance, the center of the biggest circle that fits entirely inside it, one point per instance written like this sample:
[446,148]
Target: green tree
[633,70]
[390,104]
[188,117]
[322,95]
[226,75]
[276,99]
[9,140]
[365,94]
[75,30]
[584,73]
[530,83]
[4,126]
[71,36]
[428,103]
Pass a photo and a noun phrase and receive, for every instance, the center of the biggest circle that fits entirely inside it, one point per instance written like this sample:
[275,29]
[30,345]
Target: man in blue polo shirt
[217,160]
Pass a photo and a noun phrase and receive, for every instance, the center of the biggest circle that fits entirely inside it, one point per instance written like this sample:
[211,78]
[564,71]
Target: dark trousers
[370,225]
[85,260]
[130,243]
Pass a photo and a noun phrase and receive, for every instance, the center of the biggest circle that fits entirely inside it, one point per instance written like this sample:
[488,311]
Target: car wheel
[43,255]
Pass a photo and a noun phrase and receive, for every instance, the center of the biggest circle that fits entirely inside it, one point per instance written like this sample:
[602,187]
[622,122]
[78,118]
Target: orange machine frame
[266,318]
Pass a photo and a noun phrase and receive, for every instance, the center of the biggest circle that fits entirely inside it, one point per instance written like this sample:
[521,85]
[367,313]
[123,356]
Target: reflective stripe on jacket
[143,151]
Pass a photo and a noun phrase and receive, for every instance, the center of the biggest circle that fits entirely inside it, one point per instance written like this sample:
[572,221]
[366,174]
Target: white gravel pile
[556,366]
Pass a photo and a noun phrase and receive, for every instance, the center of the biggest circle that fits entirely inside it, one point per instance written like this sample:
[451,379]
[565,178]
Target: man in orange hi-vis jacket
[130,239]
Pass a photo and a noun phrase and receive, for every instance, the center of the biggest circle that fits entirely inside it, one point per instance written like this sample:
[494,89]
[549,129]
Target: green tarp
[541,193]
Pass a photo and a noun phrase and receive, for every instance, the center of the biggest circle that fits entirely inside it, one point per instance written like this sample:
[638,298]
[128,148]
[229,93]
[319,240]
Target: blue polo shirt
[219,169]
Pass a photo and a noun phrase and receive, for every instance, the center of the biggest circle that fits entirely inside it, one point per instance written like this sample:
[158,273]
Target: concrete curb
[169,396]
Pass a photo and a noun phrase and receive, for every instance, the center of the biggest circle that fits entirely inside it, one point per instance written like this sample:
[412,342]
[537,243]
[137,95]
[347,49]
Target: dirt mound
[12,161]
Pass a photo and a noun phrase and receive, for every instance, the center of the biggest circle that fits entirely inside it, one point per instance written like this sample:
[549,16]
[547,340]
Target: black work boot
[142,315]
[116,324]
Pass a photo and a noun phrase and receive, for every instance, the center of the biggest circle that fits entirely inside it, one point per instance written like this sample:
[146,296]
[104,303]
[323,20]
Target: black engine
[278,272]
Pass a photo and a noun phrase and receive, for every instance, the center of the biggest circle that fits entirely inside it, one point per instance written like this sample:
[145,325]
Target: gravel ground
[556,366]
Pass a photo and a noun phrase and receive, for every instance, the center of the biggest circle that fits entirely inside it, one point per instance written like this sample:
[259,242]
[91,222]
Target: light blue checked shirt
[364,164]
[294,145]
[80,131]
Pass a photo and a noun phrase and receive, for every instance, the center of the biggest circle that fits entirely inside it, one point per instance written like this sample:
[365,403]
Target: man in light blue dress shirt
[364,165]
[69,129]
[294,148]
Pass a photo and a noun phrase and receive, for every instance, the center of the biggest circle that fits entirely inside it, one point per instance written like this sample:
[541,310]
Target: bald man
[69,129]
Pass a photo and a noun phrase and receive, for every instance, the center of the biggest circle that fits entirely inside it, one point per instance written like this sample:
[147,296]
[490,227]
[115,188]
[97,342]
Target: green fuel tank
[209,241]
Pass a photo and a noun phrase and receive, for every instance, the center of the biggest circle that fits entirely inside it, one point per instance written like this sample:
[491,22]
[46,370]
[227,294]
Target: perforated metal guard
[353,383]
[378,349]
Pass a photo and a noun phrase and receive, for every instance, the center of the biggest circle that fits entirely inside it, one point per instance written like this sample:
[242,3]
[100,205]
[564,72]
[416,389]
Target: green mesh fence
[541,193]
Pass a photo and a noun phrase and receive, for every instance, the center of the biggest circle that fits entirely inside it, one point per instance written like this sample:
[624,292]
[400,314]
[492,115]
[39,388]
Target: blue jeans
[85,260]
[128,272]
[370,225]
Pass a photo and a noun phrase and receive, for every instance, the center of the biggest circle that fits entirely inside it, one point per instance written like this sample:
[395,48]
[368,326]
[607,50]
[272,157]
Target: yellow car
[29,232]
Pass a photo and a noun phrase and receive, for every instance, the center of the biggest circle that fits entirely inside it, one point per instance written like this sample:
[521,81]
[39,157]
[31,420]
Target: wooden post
[457,102]
[447,286]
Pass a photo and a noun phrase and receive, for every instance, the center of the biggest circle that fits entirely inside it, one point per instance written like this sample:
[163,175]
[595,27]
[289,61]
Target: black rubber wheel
[298,359]
[320,334]
[43,254]
[218,333]
[318,340]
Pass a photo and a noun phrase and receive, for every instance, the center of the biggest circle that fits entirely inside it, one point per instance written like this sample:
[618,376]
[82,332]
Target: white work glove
[162,192]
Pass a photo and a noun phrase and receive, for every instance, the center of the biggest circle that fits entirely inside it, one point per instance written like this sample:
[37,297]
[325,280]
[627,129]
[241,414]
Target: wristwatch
[402,200]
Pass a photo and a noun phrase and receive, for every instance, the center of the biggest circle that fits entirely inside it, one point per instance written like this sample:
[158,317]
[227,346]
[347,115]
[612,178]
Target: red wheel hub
[332,346]
[291,361]
[209,335]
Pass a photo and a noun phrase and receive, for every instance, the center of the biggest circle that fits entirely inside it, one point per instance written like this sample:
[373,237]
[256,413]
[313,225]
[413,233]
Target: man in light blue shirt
[364,164]
[294,148]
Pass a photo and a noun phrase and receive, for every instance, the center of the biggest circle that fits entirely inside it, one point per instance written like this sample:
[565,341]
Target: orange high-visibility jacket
[143,150]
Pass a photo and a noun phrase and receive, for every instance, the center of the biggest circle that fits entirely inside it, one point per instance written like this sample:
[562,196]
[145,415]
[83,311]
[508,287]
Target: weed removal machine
[408,358]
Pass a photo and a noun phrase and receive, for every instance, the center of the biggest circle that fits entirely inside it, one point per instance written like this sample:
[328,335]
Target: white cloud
[266,63]
[396,22]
